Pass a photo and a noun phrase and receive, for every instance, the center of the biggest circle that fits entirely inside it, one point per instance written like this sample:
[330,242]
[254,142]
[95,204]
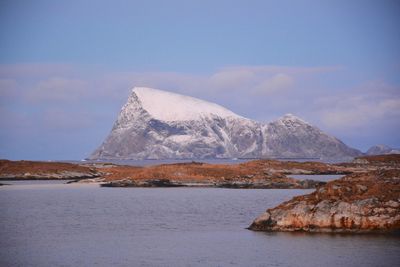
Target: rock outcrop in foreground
[357,203]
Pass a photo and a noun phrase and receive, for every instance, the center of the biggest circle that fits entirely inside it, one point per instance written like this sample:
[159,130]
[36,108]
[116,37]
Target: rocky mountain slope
[382,150]
[292,137]
[156,124]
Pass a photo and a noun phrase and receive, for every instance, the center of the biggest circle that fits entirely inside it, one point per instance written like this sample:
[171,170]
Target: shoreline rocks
[357,203]
[256,174]
[36,170]
[147,183]
[301,184]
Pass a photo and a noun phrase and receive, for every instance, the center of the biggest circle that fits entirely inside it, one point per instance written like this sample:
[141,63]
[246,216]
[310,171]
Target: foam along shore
[357,203]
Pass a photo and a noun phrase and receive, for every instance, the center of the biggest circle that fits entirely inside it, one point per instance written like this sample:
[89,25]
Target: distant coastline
[366,199]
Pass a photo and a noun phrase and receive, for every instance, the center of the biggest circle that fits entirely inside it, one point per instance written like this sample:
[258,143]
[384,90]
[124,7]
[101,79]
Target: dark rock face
[147,183]
[357,203]
[301,184]
[308,184]
[139,134]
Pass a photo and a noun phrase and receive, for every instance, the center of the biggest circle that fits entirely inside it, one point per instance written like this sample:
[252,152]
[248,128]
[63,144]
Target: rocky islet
[357,203]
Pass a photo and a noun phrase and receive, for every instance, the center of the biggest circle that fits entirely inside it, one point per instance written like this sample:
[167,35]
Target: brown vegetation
[388,161]
[8,166]
[44,170]
[362,202]
[255,170]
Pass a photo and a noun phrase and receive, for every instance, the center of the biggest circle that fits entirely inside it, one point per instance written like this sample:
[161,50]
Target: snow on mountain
[382,150]
[156,124]
[291,136]
[167,106]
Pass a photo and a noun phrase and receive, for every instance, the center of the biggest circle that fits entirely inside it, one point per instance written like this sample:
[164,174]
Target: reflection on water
[81,225]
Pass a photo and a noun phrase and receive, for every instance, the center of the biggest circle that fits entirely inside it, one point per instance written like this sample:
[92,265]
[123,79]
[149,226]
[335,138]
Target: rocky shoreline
[301,184]
[366,200]
[36,170]
[358,203]
[256,174]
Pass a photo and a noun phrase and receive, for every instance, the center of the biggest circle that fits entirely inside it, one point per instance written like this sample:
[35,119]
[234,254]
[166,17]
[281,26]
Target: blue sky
[66,67]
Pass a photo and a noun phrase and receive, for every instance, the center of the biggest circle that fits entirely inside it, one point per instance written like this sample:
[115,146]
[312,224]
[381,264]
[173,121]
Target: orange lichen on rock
[44,170]
[253,174]
[257,169]
[363,202]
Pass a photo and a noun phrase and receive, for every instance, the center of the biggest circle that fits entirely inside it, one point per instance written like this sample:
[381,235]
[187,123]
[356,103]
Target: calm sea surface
[52,224]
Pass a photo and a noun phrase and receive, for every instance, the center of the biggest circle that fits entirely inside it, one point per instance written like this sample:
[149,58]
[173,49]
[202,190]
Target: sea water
[85,225]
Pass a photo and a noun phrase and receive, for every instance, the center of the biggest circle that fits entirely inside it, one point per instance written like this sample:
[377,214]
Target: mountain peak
[168,106]
[382,146]
[156,124]
[291,119]
[382,150]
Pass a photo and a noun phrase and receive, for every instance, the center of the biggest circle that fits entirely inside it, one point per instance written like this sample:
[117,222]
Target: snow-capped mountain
[291,136]
[156,124]
[382,150]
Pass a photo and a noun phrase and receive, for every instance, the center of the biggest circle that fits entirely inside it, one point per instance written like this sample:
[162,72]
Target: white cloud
[260,92]
[253,79]
[58,89]
[8,89]
[231,79]
[276,83]
[370,104]
[63,83]
[34,70]
[56,119]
